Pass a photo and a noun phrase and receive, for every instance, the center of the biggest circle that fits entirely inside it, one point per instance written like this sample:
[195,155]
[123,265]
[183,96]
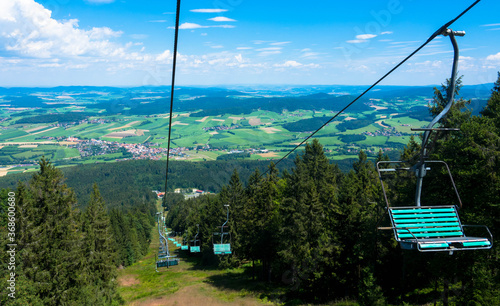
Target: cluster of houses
[385,132]
[221,127]
[188,193]
[95,147]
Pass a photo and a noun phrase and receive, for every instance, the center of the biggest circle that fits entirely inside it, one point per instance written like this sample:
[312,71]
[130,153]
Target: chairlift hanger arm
[420,167]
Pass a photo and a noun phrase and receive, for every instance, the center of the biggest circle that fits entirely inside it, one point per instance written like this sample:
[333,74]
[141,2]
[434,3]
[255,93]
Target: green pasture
[11,133]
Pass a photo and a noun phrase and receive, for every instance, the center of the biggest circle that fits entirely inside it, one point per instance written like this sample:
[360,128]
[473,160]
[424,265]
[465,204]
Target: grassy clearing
[189,283]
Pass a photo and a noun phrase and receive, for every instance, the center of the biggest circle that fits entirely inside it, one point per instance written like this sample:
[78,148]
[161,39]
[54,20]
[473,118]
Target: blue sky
[130,42]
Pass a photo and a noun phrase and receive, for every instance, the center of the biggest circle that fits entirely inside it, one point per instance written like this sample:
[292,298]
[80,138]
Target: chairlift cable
[438,32]
[174,62]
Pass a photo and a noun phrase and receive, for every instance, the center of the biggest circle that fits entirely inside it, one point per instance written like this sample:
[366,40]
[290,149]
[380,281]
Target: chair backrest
[424,222]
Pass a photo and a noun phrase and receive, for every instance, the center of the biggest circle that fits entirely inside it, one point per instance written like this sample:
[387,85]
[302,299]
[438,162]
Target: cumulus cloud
[221,19]
[28,29]
[292,64]
[494,57]
[208,10]
[163,56]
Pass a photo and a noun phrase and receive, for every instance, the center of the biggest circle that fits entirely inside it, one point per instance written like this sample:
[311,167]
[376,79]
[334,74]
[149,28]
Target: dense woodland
[310,227]
[314,228]
[64,255]
[122,183]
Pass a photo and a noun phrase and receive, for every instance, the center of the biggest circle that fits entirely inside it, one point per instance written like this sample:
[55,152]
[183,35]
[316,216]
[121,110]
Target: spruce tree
[308,238]
[51,253]
[98,247]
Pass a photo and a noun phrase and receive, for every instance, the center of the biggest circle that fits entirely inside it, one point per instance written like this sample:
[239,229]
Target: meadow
[266,127]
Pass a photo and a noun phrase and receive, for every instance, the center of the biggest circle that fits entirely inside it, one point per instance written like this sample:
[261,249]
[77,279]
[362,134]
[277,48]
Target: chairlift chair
[431,228]
[164,258]
[195,243]
[224,247]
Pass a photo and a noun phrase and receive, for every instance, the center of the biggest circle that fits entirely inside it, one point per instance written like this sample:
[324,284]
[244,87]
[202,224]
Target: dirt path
[194,295]
[187,283]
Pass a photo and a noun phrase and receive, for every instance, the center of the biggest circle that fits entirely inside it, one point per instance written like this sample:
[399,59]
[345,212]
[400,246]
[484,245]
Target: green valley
[80,125]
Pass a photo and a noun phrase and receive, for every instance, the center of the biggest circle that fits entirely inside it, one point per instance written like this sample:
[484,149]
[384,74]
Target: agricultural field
[86,125]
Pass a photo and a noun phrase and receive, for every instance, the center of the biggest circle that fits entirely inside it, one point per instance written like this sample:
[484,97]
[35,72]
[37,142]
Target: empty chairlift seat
[222,248]
[434,228]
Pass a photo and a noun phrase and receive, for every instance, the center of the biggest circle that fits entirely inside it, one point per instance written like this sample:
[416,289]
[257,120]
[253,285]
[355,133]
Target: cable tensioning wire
[172,92]
[438,32]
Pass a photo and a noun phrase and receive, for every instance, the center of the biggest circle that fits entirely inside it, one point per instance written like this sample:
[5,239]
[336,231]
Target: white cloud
[244,48]
[356,41]
[28,29]
[217,47]
[365,36]
[361,38]
[188,25]
[280,43]
[491,25]
[292,64]
[386,33]
[158,21]
[191,26]
[163,56]
[295,64]
[221,19]
[266,53]
[208,10]
[493,57]
[270,49]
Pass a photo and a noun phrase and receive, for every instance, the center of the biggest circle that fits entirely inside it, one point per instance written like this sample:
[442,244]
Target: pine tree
[308,237]
[458,112]
[100,272]
[50,256]
[492,109]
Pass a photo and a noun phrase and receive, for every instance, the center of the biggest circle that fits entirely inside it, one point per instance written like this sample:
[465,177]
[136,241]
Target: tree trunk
[445,292]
